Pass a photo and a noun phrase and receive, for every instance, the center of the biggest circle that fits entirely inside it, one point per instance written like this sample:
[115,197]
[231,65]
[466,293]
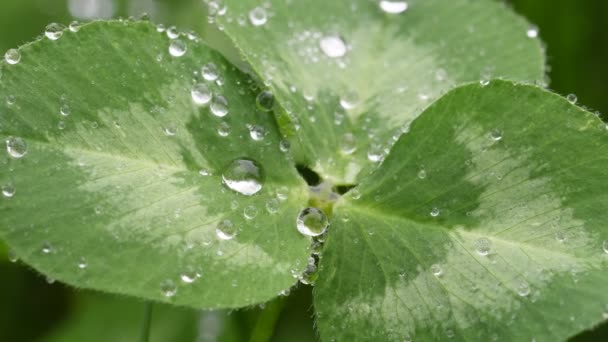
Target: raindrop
[82,263]
[244,176]
[348,143]
[532,32]
[54,31]
[272,206]
[284,145]
[10,100]
[258,16]
[257,133]
[436,270]
[484,82]
[168,288]
[201,95]
[572,98]
[170,130]
[483,246]
[225,230]
[189,275]
[333,46]
[46,248]
[422,174]
[172,32]
[8,190]
[16,147]
[223,129]
[523,289]
[375,153]
[393,6]
[160,28]
[250,212]
[65,110]
[560,236]
[435,212]
[219,106]
[496,135]
[210,72]
[12,56]
[75,26]
[12,256]
[265,101]
[178,48]
[312,222]
[204,172]
[349,100]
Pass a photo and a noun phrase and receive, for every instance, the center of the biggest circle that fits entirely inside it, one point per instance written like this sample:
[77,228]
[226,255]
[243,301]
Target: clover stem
[145,327]
[264,327]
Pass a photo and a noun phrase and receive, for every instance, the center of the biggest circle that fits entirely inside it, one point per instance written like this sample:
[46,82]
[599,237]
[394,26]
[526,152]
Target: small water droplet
[54,31]
[12,56]
[284,145]
[250,212]
[375,154]
[201,94]
[219,106]
[204,172]
[265,101]
[189,275]
[258,16]
[496,135]
[210,72]
[65,110]
[523,289]
[435,212]
[170,130]
[168,288]
[12,256]
[16,147]
[272,206]
[257,133]
[74,26]
[560,236]
[82,263]
[223,129]
[393,6]
[605,246]
[172,32]
[422,173]
[8,190]
[244,176]
[532,32]
[484,83]
[350,100]
[178,48]
[46,248]
[10,100]
[160,28]
[312,222]
[348,143]
[226,230]
[333,46]
[572,98]
[436,270]
[483,246]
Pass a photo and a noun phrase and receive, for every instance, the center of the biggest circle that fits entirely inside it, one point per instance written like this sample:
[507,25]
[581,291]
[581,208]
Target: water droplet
[422,174]
[16,147]
[605,246]
[8,190]
[226,230]
[12,256]
[210,72]
[46,248]
[258,16]
[178,48]
[168,288]
[172,32]
[201,95]
[375,153]
[523,289]
[333,46]
[436,270]
[484,82]
[65,110]
[435,212]
[189,275]
[250,212]
[496,135]
[483,246]
[532,32]
[82,263]
[160,28]
[12,56]
[219,106]
[284,145]
[256,132]
[265,101]
[54,31]
[272,206]
[560,236]
[312,222]
[10,100]
[204,172]
[393,6]
[75,26]
[348,143]
[349,100]
[223,129]
[572,98]
[244,176]
[170,130]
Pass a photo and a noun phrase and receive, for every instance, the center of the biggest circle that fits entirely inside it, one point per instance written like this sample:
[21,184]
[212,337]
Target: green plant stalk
[145,327]
[264,327]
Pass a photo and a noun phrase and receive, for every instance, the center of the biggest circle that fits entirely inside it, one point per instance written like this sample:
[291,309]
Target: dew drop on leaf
[258,16]
[393,6]
[350,100]
[312,222]
[257,133]
[54,31]
[178,48]
[422,173]
[435,212]
[172,32]
[265,101]
[333,46]
[496,135]
[219,106]
[189,275]
[8,190]
[12,56]
[272,206]
[605,246]
[16,147]
[572,98]
[284,145]
[12,256]
[436,270]
[532,32]
[168,288]
[250,212]
[74,26]
[223,129]
[483,246]
[210,72]
[523,289]
[82,263]
[244,176]
[10,100]
[201,95]
[65,110]
[46,248]
[225,230]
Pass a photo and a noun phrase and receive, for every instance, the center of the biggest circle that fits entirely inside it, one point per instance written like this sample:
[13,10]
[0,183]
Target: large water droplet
[226,230]
[244,176]
[168,288]
[333,46]
[178,48]
[201,95]
[483,246]
[258,16]
[54,31]
[12,56]
[393,6]
[312,222]
[16,147]
[219,106]
[172,32]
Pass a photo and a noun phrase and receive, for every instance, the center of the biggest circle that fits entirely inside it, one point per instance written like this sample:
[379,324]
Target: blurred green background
[33,308]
